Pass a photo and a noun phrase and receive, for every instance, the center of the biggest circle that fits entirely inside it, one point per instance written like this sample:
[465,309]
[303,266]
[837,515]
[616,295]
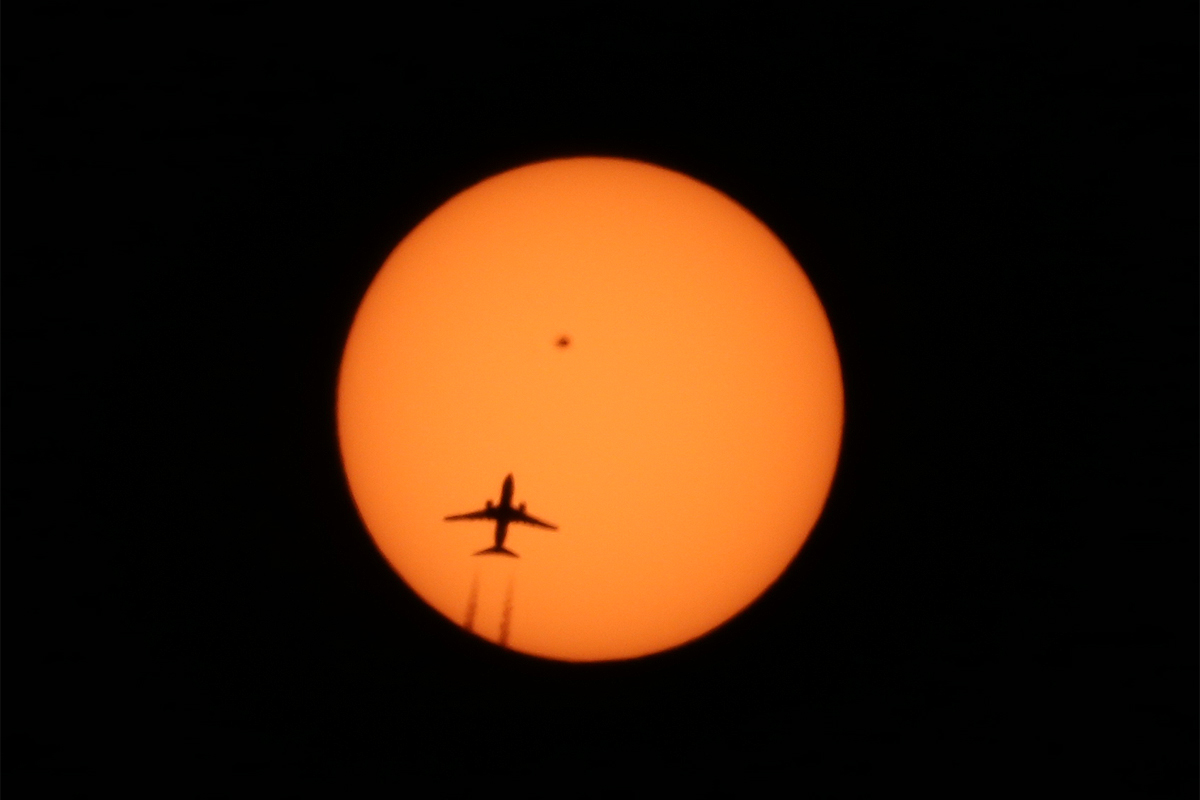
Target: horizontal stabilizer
[500,551]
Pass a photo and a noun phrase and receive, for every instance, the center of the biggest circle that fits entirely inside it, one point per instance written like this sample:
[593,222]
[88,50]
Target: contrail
[472,602]
[504,623]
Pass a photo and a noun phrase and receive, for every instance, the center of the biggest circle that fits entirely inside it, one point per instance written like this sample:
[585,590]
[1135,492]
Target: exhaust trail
[472,604]
[506,620]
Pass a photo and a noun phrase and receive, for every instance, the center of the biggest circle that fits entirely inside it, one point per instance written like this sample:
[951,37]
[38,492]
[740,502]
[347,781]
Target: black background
[997,207]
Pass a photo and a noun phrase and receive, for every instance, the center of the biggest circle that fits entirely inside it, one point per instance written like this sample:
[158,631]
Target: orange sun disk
[643,355]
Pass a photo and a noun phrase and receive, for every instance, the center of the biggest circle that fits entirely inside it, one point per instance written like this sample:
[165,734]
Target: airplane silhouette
[503,514]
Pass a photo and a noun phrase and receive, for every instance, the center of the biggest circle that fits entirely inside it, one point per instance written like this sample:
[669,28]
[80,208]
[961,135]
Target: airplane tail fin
[501,551]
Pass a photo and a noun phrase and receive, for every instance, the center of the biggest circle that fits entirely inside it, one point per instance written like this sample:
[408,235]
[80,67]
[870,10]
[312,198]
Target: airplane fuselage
[503,512]
[506,493]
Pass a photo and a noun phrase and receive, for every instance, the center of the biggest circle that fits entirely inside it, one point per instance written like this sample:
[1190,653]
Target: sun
[647,361]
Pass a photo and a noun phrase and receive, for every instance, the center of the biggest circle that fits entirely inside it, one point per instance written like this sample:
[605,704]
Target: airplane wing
[484,514]
[521,516]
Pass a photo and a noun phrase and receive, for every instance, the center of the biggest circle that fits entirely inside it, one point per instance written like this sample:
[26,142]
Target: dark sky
[998,209]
